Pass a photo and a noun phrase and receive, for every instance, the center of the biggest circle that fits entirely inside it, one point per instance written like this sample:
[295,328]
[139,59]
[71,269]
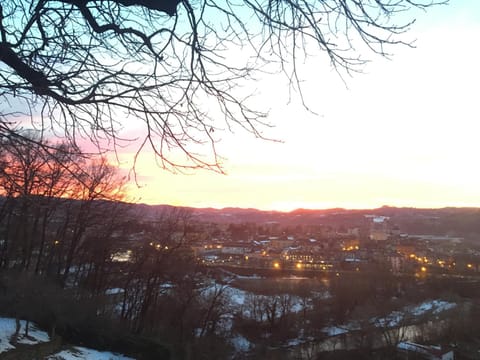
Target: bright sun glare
[403,133]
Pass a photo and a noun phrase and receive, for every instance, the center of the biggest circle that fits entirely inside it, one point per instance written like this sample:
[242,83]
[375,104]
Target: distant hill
[444,221]
[413,220]
[450,220]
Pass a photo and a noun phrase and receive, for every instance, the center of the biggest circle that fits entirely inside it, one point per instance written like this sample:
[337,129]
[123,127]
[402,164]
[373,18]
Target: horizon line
[212,207]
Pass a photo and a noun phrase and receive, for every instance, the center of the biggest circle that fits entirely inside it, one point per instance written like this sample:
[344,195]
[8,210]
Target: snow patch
[7,329]
[114,291]
[236,296]
[240,343]
[84,353]
[334,330]
[435,306]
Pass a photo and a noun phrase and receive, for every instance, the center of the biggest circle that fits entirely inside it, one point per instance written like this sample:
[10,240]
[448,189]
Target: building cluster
[376,242]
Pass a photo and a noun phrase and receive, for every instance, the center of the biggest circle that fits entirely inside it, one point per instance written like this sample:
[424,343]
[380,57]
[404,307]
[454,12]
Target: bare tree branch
[181,69]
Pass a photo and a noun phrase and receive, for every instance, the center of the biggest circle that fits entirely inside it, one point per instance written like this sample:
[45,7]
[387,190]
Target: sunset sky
[404,133]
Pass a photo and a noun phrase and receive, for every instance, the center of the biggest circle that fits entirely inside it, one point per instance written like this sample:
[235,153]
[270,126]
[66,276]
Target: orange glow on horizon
[209,190]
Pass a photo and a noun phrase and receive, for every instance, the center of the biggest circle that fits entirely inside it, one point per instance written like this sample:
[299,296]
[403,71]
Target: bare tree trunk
[14,337]
[42,244]
[27,325]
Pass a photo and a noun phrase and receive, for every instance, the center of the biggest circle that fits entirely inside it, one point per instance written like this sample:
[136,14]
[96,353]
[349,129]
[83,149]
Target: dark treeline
[78,260]
[55,204]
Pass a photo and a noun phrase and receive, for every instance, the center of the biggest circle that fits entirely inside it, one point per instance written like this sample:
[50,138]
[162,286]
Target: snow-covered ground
[434,306]
[237,297]
[78,352]
[240,343]
[36,336]
[334,330]
[240,302]
[7,329]
[396,318]
[114,291]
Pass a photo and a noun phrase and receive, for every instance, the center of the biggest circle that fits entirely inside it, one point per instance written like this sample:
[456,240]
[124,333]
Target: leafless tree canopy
[85,68]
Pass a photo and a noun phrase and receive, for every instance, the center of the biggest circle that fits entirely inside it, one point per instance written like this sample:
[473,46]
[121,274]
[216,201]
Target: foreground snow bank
[7,329]
[78,352]
[36,336]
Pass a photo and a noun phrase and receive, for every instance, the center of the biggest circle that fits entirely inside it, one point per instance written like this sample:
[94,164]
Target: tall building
[379,229]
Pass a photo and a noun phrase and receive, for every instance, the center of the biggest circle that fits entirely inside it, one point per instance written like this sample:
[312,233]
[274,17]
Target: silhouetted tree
[33,176]
[54,199]
[79,67]
[95,187]
[159,260]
